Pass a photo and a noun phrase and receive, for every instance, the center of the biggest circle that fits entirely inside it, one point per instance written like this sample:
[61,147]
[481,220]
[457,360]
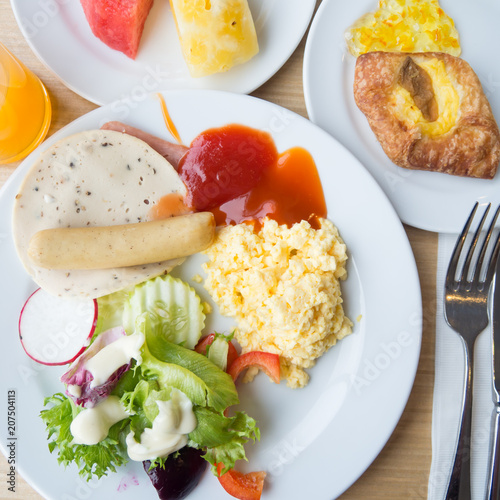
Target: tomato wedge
[242,486]
[205,341]
[268,362]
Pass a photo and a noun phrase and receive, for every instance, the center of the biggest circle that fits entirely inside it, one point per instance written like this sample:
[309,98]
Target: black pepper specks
[146,202]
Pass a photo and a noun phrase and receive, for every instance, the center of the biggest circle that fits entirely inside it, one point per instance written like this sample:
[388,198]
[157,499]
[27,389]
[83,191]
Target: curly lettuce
[98,459]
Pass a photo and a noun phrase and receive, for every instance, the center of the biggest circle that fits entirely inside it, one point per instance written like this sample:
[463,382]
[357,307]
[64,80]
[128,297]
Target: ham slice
[170,151]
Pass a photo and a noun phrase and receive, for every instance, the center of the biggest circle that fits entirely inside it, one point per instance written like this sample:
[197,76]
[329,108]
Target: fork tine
[452,267]
[490,271]
[472,248]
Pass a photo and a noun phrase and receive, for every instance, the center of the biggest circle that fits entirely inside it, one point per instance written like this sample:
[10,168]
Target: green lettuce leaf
[110,310]
[217,351]
[98,459]
[224,437]
[190,372]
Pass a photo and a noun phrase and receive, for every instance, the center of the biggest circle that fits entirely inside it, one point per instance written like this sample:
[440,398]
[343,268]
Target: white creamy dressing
[74,390]
[92,425]
[114,355]
[174,421]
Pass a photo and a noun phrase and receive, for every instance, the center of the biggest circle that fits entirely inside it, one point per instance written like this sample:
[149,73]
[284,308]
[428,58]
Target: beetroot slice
[181,474]
[118,23]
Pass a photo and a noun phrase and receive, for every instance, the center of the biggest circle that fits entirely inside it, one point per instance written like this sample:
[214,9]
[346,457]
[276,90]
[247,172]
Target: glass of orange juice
[25,110]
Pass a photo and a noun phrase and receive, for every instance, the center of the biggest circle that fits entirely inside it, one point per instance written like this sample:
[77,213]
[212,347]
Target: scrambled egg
[447,98]
[281,285]
[404,26]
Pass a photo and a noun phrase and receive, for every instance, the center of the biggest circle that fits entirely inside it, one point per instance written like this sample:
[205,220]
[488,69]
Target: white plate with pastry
[428,200]
[60,36]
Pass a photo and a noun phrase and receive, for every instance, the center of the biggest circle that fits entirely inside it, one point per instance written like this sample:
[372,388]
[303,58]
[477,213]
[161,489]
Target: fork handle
[459,484]
[494,476]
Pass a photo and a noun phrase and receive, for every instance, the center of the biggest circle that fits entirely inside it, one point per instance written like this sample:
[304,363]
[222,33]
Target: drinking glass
[25,110]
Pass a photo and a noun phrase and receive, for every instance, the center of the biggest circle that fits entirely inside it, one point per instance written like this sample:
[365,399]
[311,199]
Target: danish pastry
[429,112]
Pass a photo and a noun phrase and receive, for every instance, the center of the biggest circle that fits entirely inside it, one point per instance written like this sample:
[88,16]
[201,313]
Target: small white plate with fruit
[64,35]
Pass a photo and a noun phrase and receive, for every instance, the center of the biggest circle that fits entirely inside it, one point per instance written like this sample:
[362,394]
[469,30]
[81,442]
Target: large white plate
[427,200]
[323,436]
[60,36]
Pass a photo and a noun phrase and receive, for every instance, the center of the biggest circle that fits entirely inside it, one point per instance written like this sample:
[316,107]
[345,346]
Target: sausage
[122,245]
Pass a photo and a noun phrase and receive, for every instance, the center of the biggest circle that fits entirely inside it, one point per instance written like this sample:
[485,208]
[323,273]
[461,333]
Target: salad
[147,389]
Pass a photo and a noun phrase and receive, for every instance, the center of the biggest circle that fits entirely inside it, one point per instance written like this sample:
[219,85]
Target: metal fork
[466,311]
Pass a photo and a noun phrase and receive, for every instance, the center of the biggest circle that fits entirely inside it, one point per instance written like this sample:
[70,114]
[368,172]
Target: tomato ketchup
[237,173]
[224,163]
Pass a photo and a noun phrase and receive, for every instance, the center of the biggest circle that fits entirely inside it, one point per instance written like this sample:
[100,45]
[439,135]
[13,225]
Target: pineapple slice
[215,35]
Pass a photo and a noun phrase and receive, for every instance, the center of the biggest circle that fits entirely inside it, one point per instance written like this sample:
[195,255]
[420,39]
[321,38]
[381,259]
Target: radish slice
[55,331]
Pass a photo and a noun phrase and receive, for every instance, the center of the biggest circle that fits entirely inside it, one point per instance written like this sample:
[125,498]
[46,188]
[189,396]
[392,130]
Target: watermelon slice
[118,23]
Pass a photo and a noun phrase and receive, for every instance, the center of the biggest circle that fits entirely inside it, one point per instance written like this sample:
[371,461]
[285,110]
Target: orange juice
[25,110]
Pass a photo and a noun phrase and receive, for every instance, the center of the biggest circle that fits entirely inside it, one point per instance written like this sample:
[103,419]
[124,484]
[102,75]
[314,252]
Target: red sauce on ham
[236,172]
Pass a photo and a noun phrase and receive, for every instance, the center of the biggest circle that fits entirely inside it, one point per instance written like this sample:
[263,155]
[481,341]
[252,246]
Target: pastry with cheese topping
[215,35]
[429,112]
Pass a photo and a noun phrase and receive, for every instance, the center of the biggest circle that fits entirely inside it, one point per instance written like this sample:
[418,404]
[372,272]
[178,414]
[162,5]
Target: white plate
[60,36]
[427,200]
[323,436]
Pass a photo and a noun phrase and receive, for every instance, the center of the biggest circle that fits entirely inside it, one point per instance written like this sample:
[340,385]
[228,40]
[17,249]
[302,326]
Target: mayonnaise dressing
[74,390]
[92,425]
[174,421]
[114,355]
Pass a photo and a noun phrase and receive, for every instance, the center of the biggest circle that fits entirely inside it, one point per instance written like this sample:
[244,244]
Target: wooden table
[401,470]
